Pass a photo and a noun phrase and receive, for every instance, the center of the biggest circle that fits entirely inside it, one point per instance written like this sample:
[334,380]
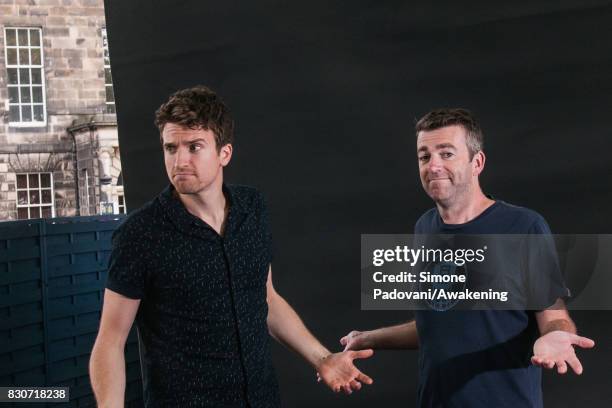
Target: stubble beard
[449,195]
[187,187]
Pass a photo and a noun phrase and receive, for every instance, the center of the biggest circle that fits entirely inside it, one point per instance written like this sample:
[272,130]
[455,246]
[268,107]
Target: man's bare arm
[555,347]
[336,369]
[107,363]
[401,336]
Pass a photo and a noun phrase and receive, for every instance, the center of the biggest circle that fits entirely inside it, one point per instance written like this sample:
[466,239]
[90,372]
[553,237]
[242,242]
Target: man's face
[192,161]
[446,171]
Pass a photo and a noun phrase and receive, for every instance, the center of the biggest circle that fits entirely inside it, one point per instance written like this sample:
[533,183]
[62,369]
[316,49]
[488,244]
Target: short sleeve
[127,263]
[266,229]
[544,278]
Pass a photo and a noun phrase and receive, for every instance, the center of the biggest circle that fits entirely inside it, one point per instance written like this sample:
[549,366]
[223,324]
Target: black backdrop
[325,95]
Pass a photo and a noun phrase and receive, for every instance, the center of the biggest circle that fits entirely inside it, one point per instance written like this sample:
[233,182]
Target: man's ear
[226,154]
[478,163]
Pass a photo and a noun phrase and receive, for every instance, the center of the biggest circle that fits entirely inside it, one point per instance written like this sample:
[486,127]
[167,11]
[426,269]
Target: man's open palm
[556,349]
[339,372]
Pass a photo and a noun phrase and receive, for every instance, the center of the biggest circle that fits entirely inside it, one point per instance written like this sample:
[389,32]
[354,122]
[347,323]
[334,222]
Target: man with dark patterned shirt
[193,268]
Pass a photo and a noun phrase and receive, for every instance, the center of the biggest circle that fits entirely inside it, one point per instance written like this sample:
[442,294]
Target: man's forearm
[559,324]
[107,374]
[402,336]
[287,328]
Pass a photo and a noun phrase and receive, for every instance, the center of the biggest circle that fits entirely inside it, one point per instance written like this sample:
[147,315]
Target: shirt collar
[175,210]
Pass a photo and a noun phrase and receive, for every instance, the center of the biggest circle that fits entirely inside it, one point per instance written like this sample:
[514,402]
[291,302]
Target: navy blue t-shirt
[480,358]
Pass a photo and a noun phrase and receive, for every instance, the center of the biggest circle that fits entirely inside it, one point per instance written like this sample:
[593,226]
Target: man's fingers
[364,378]
[362,353]
[347,389]
[575,364]
[536,360]
[561,367]
[344,340]
[355,385]
[583,342]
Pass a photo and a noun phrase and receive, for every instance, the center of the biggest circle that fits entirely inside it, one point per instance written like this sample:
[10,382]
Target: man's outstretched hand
[556,349]
[340,374]
[356,340]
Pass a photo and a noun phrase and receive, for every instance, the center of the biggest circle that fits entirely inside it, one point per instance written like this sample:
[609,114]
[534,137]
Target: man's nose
[434,165]
[181,158]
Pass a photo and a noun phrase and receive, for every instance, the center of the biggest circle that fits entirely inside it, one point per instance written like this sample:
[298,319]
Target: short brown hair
[198,108]
[440,118]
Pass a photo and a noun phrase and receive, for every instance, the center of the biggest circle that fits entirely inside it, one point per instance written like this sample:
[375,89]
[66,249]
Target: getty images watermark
[501,272]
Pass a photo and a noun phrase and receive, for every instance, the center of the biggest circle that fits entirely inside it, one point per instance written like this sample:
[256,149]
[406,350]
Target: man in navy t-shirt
[476,358]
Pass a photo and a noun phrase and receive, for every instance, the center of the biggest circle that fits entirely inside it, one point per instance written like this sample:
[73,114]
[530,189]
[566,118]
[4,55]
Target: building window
[25,79]
[120,204]
[35,195]
[108,79]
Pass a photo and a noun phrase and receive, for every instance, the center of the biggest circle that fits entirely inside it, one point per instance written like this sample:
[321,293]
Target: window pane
[34,197]
[34,37]
[13,94]
[37,94]
[33,179]
[22,213]
[45,180]
[22,181]
[24,56]
[108,79]
[22,197]
[12,76]
[14,114]
[110,108]
[120,199]
[39,115]
[35,212]
[36,77]
[23,37]
[35,56]
[11,37]
[46,212]
[24,76]
[25,94]
[46,196]
[110,95]
[11,54]
[26,113]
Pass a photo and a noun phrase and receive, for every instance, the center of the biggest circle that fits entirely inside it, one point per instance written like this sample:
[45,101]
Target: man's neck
[209,205]
[466,209]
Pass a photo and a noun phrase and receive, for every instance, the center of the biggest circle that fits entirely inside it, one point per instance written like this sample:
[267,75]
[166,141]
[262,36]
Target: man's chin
[438,196]
[186,188]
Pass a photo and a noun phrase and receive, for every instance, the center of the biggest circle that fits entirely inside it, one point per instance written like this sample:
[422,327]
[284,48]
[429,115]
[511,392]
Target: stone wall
[75,92]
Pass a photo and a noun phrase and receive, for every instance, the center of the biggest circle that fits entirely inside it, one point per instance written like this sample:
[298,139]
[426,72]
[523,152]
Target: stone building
[59,150]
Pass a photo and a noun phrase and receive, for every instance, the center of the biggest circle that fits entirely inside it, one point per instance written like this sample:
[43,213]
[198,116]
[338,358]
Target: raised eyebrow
[445,146]
[188,142]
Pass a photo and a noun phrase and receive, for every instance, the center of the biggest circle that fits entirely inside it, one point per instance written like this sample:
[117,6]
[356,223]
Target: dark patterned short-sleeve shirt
[202,318]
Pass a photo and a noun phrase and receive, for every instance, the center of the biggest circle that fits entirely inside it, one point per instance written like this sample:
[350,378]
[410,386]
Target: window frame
[105,57]
[40,189]
[30,67]
[121,208]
